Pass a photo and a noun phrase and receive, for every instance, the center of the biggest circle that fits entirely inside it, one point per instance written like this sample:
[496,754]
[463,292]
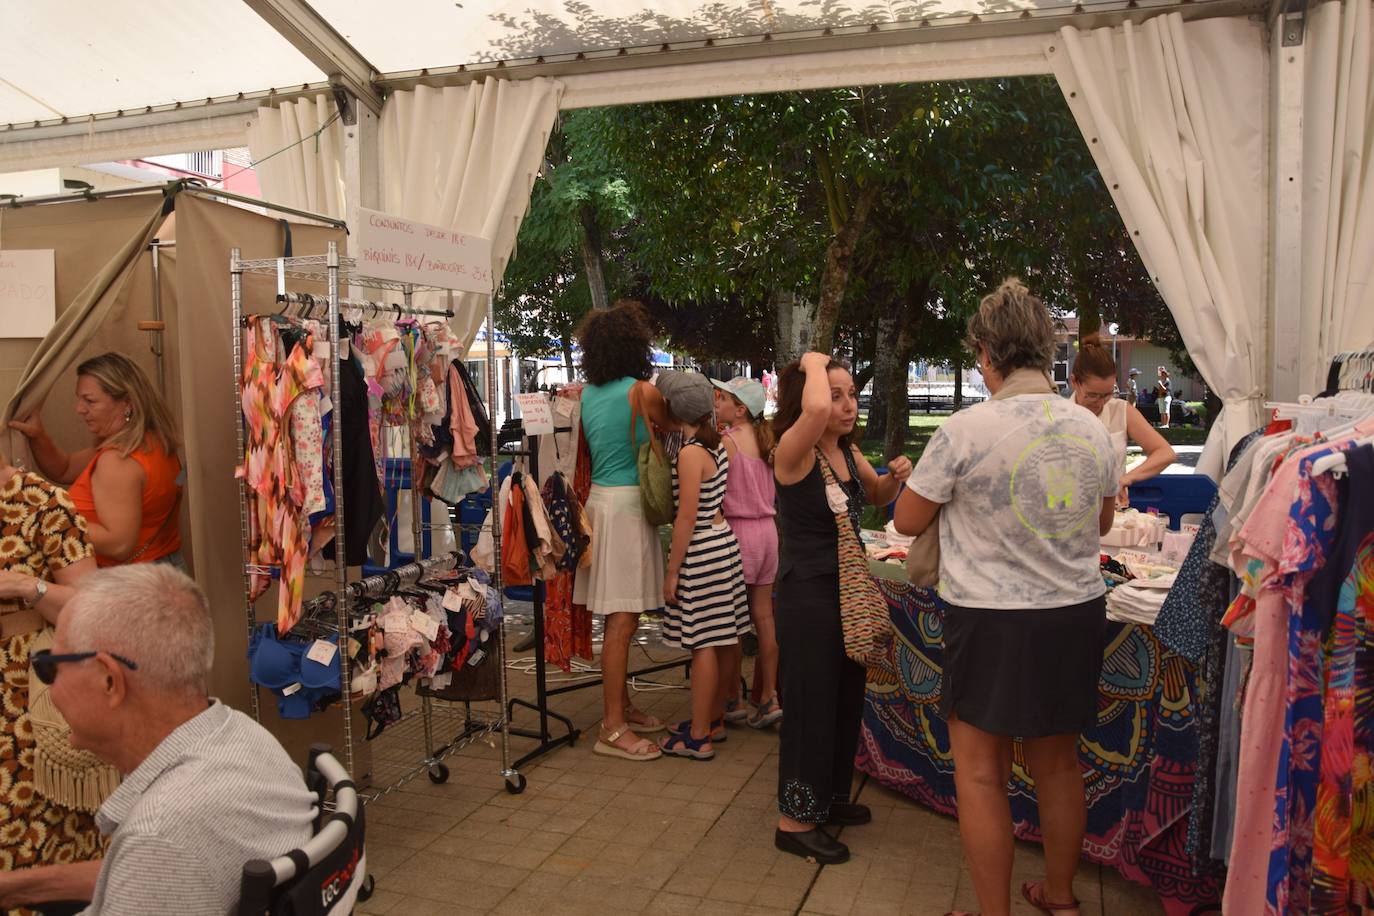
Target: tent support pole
[1287,373]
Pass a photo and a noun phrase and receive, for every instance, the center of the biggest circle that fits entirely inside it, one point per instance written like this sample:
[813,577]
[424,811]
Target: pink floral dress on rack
[278,529]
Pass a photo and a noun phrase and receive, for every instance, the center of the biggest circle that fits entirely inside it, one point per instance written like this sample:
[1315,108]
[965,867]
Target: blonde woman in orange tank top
[127,484]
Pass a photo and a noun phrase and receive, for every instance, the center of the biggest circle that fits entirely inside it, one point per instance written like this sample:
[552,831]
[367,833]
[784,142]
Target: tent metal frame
[171,188]
[351,75]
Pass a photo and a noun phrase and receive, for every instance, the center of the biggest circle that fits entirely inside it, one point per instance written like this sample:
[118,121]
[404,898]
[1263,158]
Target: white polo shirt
[1022,481]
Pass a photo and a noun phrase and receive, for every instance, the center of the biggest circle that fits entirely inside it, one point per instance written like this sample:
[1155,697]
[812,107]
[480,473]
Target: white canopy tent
[1249,215]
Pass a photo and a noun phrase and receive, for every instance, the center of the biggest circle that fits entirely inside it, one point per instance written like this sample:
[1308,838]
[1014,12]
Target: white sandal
[606,746]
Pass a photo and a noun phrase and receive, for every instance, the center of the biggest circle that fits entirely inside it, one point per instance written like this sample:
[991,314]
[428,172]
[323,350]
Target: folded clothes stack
[1139,600]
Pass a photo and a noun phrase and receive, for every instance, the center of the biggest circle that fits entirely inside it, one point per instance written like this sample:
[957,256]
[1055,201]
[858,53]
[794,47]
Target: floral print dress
[40,532]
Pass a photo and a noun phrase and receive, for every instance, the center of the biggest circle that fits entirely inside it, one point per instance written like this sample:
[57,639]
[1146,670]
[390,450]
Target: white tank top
[1114,418]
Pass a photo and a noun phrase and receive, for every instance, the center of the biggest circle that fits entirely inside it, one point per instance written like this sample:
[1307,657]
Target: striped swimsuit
[713,604]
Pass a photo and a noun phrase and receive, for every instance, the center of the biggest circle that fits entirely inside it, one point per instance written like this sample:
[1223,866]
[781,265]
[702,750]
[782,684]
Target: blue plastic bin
[1174,495]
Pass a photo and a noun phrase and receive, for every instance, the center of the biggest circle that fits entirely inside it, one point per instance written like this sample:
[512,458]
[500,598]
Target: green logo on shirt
[1047,490]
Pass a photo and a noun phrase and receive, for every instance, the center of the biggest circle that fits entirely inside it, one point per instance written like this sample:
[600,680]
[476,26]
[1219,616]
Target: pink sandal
[1034,892]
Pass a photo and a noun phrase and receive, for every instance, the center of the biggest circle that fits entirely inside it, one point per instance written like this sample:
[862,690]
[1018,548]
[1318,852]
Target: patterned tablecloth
[1138,763]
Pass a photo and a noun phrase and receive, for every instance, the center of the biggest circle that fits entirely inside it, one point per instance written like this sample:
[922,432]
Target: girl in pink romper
[749,509]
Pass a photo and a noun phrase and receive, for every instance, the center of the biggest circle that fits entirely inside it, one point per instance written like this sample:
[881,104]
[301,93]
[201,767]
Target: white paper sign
[404,250]
[28,293]
[535,412]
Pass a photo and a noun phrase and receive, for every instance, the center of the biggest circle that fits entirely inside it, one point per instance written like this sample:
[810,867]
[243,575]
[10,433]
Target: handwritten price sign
[28,294]
[403,250]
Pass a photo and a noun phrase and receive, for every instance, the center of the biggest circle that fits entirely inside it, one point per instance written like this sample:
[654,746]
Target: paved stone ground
[592,835]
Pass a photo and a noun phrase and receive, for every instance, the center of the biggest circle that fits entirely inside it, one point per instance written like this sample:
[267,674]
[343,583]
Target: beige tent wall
[96,248]
[103,265]
[200,350]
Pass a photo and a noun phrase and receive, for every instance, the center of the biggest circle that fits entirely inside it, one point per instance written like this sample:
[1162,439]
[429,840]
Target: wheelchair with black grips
[328,875]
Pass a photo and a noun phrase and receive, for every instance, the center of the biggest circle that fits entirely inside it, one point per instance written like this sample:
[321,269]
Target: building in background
[227,169]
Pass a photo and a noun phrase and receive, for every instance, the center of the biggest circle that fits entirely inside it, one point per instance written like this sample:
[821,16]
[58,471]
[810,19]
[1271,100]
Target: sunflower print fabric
[40,531]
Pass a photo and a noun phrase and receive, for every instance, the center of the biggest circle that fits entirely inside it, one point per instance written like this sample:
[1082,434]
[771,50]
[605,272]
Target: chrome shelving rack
[335,272]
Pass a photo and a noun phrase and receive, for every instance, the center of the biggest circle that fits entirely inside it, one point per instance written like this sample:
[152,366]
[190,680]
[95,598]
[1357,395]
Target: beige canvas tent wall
[104,288]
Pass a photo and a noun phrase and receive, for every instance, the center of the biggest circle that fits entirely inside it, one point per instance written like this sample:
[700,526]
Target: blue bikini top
[301,684]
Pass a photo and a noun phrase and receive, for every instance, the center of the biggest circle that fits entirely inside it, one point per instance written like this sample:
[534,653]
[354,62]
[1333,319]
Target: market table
[1138,762]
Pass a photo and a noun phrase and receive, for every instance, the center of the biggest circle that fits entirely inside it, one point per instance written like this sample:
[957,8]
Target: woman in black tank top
[822,690]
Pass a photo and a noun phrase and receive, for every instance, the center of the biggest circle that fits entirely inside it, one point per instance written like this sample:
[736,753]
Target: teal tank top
[606,424]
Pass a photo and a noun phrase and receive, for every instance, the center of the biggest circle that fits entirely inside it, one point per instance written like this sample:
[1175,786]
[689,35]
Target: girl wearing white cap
[750,508]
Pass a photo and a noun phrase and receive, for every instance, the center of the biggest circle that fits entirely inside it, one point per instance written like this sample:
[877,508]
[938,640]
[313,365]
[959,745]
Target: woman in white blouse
[1094,386]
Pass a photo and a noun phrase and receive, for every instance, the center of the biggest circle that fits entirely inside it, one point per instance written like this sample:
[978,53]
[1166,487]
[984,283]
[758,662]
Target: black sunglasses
[45,663]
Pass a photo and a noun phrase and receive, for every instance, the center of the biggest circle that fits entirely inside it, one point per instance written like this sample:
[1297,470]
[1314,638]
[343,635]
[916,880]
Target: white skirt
[626,572]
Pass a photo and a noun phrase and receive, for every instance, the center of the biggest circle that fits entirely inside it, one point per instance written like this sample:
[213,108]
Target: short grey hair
[151,613]
[1015,328]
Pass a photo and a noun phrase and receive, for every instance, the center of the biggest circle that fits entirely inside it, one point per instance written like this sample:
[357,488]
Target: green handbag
[655,473]
[655,486]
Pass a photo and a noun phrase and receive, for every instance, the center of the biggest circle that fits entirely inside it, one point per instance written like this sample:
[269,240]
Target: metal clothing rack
[547,740]
[335,271]
[1352,370]
[392,770]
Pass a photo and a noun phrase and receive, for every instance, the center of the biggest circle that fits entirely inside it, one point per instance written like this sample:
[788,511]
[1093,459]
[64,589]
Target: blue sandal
[683,744]
[684,727]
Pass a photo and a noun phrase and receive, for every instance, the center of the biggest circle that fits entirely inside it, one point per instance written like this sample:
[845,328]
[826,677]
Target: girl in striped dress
[707,602]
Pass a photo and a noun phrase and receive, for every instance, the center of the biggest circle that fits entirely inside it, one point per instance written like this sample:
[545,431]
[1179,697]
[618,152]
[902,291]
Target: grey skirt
[1026,673]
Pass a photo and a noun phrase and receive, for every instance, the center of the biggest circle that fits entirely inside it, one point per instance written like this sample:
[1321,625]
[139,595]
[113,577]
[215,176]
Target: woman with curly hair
[625,577]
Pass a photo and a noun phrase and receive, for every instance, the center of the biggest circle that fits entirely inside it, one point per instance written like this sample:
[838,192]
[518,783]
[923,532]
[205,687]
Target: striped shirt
[217,792]
[712,607]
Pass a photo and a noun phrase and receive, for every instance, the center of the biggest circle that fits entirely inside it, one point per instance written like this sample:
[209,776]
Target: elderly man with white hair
[205,787]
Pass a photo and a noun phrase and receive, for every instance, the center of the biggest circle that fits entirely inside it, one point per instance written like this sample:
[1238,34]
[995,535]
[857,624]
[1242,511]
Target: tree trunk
[839,258]
[794,318]
[958,383]
[1089,320]
[591,257]
[899,404]
[568,358]
[887,400]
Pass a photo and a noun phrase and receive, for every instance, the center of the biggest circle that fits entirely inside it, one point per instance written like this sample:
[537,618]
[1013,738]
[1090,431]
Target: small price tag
[425,625]
[453,600]
[322,652]
[326,405]
[395,623]
[441,681]
[321,349]
[294,688]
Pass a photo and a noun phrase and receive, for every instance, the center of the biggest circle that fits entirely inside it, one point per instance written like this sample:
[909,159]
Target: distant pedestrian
[1164,397]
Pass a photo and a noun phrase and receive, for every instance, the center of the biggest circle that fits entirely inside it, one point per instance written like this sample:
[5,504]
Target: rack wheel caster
[516,787]
[439,774]
[369,887]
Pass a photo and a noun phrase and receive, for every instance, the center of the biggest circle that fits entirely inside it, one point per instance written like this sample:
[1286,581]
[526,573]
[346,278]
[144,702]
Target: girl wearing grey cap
[707,605]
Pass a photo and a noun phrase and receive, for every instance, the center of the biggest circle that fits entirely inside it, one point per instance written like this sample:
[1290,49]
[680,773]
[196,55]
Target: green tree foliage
[894,207]
[545,291]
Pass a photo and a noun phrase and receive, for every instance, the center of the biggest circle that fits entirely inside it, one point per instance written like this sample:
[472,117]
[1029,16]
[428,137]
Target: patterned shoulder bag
[864,617]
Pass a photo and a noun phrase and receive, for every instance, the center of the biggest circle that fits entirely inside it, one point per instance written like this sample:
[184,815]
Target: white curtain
[298,148]
[1174,114]
[465,158]
[1338,187]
